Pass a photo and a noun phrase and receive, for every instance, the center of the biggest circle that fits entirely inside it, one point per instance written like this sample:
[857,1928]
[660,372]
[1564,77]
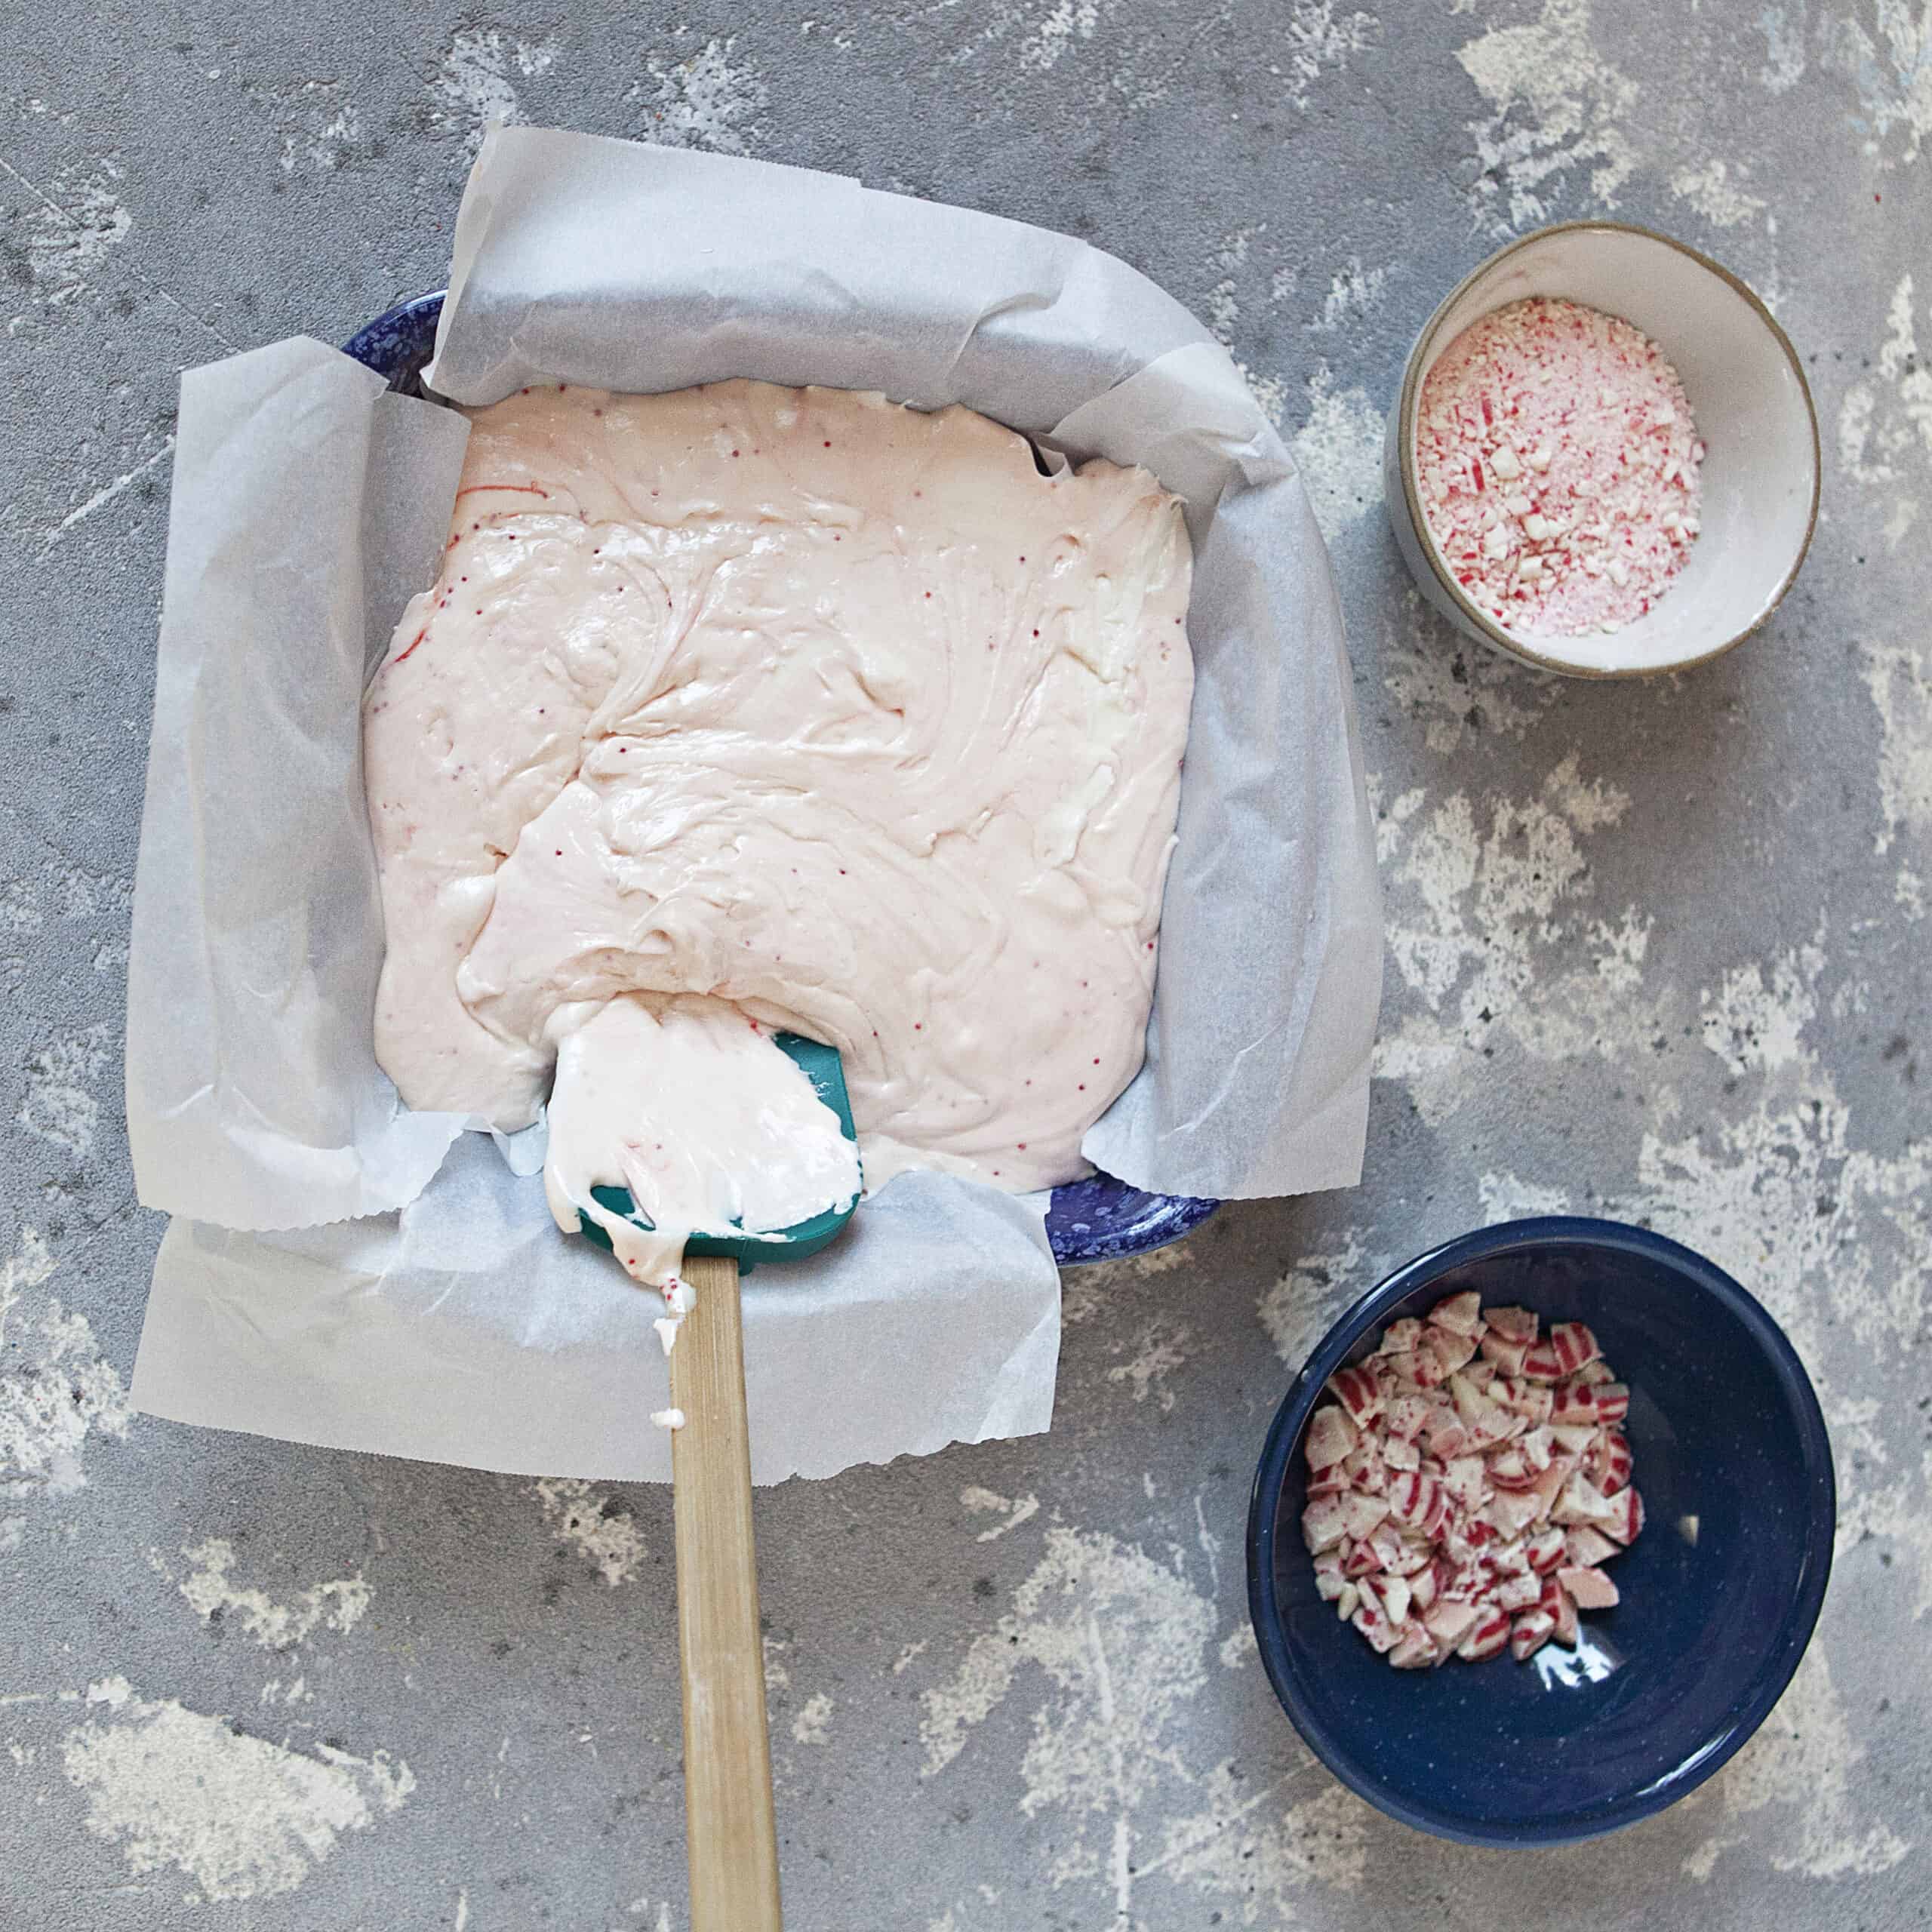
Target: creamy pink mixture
[1558,464]
[837,713]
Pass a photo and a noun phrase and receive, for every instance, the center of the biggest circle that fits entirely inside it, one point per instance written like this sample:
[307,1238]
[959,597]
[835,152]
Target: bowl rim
[1472,613]
[1741,1723]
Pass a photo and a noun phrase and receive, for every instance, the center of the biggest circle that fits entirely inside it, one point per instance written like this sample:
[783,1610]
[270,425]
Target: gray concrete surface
[1661,952]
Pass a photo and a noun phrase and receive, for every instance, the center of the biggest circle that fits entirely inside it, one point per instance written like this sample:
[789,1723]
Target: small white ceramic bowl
[1753,410]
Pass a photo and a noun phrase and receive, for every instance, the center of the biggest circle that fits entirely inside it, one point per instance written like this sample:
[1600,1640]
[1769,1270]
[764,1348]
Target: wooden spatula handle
[732,1840]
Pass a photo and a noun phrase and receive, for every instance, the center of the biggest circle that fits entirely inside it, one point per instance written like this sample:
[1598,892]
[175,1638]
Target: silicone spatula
[730,1832]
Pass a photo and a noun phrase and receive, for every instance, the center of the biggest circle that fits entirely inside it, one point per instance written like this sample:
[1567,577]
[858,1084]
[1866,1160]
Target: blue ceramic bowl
[1664,1688]
[1099,1218]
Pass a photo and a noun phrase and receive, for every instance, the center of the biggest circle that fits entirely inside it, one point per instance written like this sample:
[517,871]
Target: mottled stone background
[1660,951]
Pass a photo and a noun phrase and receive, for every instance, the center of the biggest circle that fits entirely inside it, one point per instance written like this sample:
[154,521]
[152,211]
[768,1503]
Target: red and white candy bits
[1466,1484]
[1557,464]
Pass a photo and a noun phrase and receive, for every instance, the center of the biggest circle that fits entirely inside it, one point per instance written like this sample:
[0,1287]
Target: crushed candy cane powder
[1558,463]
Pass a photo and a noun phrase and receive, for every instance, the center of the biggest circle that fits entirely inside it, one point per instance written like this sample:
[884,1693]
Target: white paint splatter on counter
[1017,1510]
[339,1605]
[1557,110]
[472,83]
[703,101]
[583,1520]
[243,1818]
[1891,70]
[1885,421]
[1355,292]
[1709,189]
[1159,1349]
[1123,1640]
[55,1390]
[1800,1761]
[1054,31]
[1261,1848]
[1338,451]
[70,227]
[1784,48]
[60,1107]
[1239,1647]
[813,1723]
[1454,689]
[1304,1304]
[1506,1197]
[1320,36]
[103,494]
[1481,915]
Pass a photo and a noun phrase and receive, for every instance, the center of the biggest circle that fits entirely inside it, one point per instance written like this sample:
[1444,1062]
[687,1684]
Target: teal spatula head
[822,1066]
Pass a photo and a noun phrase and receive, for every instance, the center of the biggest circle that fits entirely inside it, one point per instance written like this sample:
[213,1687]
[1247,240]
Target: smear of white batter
[711,1126]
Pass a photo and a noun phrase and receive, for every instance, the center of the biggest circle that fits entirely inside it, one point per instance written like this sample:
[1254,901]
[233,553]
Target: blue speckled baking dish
[1099,1218]
[1720,1592]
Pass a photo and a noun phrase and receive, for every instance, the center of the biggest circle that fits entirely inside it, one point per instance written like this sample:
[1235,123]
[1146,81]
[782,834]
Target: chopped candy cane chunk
[1461,1313]
[1450,1350]
[1331,1438]
[1574,1346]
[1505,1354]
[1322,1524]
[1549,1548]
[1523,1592]
[1558,1605]
[1585,1548]
[1401,1336]
[1529,1632]
[1362,1515]
[1590,1589]
[1612,1400]
[1625,1521]
[1415,1650]
[1519,1325]
[1487,1635]
[1582,1502]
[1608,1464]
[1358,1392]
[1447,1622]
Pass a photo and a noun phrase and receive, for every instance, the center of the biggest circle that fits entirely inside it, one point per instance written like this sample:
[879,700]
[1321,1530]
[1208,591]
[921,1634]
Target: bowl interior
[1719,1593]
[1752,410]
